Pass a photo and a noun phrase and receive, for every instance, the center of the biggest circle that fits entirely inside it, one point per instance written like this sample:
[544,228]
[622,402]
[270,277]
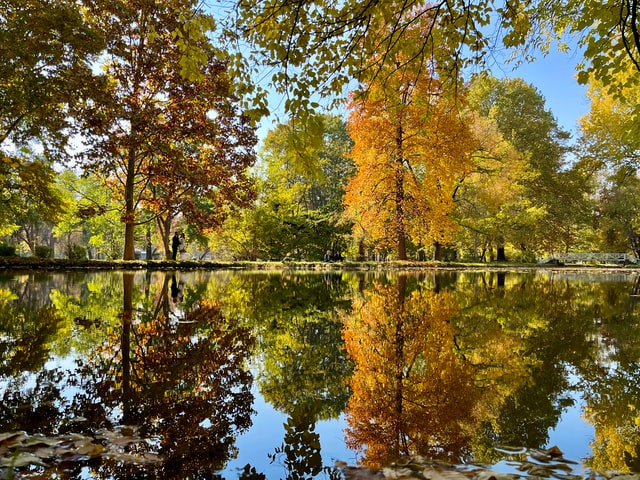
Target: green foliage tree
[491,195]
[605,32]
[298,211]
[546,203]
[92,218]
[47,49]
[31,202]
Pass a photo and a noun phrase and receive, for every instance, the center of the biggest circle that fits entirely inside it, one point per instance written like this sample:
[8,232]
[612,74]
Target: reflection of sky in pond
[572,435]
[267,433]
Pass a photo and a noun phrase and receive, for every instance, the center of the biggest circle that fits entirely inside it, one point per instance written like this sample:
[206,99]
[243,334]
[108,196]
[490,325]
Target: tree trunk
[399,180]
[361,251]
[437,251]
[500,255]
[129,247]
[129,208]
[148,246]
[164,225]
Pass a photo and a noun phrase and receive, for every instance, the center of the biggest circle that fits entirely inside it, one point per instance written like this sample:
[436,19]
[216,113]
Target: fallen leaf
[555,451]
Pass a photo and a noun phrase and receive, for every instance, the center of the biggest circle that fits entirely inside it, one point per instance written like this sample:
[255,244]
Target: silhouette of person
[175,244]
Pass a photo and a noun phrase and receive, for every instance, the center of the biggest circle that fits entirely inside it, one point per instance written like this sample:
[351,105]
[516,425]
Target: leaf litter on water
[20,450]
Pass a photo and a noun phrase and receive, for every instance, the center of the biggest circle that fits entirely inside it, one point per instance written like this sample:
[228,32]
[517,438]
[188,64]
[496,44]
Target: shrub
[519,256]
[42,251]
[7,250]
[76,252]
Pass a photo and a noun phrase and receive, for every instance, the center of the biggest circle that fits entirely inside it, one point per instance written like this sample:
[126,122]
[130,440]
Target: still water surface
[281,375]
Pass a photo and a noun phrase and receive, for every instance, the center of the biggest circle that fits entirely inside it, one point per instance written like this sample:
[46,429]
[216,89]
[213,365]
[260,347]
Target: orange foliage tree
[412,146]
[413,393]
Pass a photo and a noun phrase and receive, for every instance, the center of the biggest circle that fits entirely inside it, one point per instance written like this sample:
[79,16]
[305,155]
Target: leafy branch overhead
[318,49]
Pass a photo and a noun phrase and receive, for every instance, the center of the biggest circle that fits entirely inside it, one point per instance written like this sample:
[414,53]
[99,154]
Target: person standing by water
[175,244]
[181,248]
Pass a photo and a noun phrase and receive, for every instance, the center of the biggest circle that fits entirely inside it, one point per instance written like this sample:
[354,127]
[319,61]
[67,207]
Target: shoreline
[50,264]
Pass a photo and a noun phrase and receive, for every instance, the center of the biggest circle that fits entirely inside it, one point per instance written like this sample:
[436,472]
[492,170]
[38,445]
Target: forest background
[123,122]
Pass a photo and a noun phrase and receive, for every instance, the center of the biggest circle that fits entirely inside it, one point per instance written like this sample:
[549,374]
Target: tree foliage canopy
[45,49]
[163,135]
[319,47]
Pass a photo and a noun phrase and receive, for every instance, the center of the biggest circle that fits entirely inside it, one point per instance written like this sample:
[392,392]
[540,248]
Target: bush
[42,251]
[76,252]
[519,256]
[7,250]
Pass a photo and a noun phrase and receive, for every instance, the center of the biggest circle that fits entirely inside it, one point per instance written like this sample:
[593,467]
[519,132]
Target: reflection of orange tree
[185,386]
[412,391]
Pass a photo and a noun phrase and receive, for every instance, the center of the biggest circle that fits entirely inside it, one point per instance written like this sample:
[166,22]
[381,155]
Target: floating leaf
[491,475]
[12,437]
[540,456]
[24,459]
[555,452]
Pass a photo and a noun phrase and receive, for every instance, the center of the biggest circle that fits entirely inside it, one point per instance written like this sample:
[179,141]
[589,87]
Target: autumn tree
[164,130]
[609,147]
[547,201]
[320,47]
[412,146]
[491,193]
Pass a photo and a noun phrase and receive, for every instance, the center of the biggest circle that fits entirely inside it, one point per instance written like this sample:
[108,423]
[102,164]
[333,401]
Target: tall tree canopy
[297,213]
[610,148]
[46,49]
[164,129]
[320,46]
[543,213]
[411,148]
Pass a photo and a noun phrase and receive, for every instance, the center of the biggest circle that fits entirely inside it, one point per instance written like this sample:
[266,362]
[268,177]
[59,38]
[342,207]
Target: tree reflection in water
[412,391]
[113,375]
[185,389]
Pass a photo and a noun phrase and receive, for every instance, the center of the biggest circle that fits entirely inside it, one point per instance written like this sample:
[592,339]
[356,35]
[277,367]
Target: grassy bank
[32,263]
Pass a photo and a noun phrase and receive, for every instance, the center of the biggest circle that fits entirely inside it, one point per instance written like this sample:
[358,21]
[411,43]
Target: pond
[296,375]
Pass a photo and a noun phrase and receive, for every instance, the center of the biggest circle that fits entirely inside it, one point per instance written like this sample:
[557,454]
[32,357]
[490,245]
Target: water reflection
[114,375]
[184,388]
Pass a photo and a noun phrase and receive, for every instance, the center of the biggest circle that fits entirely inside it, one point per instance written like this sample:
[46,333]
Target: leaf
[22,460]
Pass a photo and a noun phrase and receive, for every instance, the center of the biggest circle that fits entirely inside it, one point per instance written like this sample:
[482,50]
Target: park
[313,239]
